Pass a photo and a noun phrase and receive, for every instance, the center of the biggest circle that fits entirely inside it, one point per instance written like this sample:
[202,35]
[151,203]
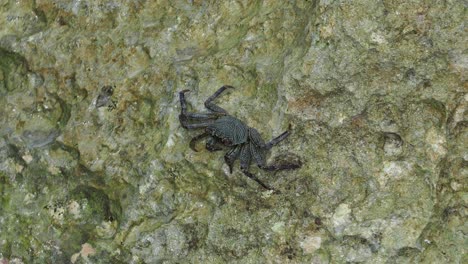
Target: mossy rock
[95,207]
[13,72]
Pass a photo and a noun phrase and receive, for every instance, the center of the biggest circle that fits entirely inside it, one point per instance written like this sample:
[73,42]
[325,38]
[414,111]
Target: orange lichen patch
[311,98]
[86,250]
[358,120]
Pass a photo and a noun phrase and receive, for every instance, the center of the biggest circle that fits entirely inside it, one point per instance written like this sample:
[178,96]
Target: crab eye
[226,141]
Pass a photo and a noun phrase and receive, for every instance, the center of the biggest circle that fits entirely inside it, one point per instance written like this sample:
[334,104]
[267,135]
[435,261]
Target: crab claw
[184,91]
[192,145]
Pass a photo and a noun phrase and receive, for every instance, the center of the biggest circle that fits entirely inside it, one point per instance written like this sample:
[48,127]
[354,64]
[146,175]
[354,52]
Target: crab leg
[186,125]
[199,116]
[204,119]
[203,116]
[212,144]
[212,106]
[245,162]
[197,138]
[277,140]
[287,166]
[183,104]
[261,163]
[231,156]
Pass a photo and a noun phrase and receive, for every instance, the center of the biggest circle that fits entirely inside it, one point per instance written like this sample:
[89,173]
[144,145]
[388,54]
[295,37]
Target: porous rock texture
[374,91]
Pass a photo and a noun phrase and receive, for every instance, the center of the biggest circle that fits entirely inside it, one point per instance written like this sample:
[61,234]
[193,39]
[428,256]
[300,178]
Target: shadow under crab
[223,130]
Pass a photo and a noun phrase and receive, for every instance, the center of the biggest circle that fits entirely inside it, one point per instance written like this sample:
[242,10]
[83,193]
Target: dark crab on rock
[224,130]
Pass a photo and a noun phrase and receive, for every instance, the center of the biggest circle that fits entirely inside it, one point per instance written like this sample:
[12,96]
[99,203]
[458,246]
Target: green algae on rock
[375,92]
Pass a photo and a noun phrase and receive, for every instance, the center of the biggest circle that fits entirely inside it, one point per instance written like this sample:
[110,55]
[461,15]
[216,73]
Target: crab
[222,130]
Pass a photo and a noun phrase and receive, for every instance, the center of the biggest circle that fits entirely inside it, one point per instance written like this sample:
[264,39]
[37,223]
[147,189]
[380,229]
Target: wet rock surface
[95,167]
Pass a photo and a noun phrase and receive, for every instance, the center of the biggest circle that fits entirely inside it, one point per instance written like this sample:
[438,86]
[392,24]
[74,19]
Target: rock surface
[375,92]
